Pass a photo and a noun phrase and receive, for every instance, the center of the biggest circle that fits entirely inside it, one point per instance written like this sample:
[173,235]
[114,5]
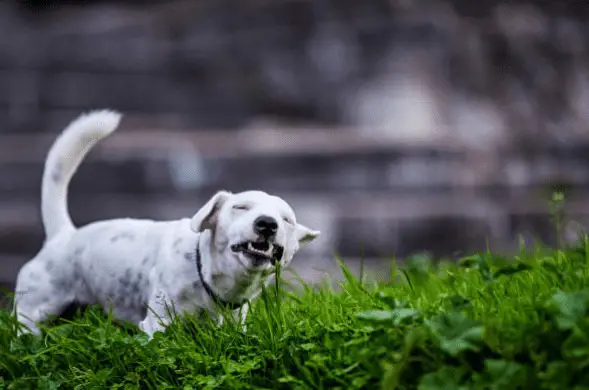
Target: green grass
[488,322]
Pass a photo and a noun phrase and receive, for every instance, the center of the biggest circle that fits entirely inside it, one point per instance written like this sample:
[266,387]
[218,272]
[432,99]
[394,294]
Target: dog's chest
[240,287]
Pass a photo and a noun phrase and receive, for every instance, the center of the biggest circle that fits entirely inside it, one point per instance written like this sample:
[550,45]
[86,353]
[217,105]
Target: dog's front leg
[160,313]
[240,315]
[154,323]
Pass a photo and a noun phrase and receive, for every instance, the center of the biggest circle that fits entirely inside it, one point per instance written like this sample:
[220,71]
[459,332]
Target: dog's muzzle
[260,252]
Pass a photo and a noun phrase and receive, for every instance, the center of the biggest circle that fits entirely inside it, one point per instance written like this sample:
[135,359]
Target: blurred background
[393,126]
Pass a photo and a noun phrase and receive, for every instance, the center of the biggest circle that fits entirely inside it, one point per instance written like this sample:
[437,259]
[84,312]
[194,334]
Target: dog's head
[257,229]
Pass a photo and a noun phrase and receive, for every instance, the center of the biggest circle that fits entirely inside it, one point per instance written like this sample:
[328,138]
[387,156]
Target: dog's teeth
[267,253]
[251,248]
[269,250]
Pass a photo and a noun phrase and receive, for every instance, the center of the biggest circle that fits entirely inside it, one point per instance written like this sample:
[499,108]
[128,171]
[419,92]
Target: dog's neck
[226,277]
[215,264]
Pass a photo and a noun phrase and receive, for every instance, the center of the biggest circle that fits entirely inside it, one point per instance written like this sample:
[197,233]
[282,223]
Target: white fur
[62,161]
[130,264]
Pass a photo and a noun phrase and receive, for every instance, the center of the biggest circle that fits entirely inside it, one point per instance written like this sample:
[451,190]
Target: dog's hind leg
[38,296]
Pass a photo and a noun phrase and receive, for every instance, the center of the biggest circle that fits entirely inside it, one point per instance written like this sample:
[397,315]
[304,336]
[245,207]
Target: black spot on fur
[57,172]
[196,284]
[62,284]
[75,255]
[78,272]
[123,236]
[49,265]
[135,288]
[124,281]
[177,245]
[188,256]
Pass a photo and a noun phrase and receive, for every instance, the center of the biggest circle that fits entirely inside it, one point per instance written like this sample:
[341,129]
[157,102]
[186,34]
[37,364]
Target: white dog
[221,256]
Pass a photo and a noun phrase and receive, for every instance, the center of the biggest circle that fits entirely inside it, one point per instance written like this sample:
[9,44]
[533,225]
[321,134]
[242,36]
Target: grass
[488,322]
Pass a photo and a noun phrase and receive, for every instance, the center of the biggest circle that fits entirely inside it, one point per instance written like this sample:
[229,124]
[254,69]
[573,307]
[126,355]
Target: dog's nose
[265,226]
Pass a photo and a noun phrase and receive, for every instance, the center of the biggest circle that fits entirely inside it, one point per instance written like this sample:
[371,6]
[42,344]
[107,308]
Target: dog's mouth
[260,252]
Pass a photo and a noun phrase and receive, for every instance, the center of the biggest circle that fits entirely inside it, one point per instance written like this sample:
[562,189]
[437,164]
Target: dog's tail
[66,154]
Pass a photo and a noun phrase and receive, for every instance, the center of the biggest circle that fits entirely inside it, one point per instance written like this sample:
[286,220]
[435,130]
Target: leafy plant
[486,322]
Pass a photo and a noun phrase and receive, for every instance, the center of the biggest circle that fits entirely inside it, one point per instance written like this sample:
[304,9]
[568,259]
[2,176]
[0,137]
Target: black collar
[214,296]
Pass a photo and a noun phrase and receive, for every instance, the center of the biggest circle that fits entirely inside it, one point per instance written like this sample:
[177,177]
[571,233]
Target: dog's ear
[305,235]
[206,217]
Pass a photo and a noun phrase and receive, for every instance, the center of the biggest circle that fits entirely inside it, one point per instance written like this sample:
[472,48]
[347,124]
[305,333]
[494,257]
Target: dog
[146,271]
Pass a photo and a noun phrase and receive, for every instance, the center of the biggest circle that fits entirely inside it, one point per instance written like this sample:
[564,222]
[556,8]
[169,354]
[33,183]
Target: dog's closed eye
[241,207]
[288,220]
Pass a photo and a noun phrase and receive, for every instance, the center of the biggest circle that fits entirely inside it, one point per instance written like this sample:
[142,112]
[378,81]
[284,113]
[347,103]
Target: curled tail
[66,154]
